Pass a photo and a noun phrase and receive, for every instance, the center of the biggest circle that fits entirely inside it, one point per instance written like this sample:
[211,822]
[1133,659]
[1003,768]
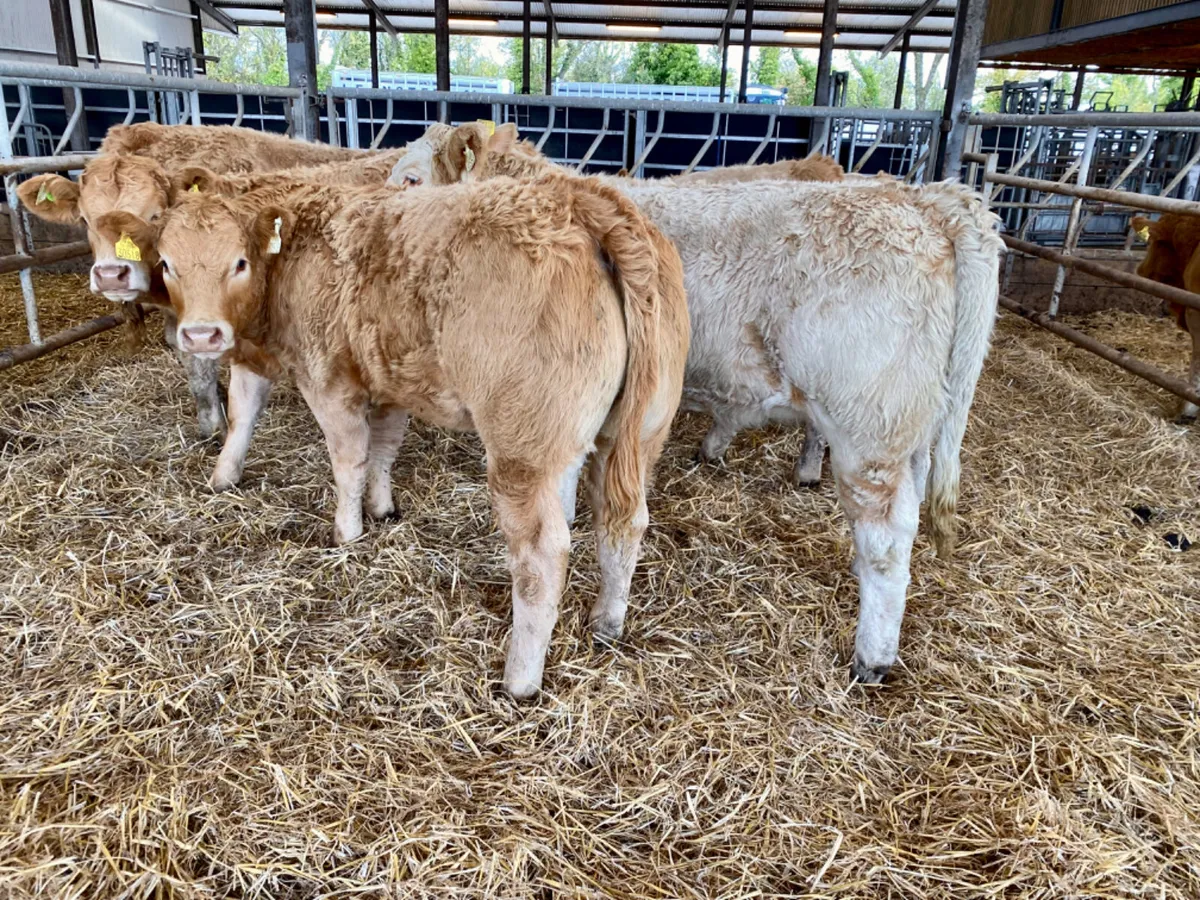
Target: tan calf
[123,271]
[485,308]
[1172,258]
[222,148]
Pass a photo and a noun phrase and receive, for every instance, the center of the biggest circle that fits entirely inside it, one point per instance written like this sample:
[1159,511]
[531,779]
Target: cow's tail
[622,233]
[977,248]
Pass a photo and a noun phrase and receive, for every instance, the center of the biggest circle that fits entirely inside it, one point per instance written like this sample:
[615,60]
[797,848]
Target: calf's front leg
[204,382]
[248,393]
[343,419]
[388,426]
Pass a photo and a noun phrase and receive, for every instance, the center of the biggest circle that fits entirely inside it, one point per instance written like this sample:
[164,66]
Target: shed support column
[900,75]
[93,39]
[64,45]
[747,43]
[724,66]
[441,41]
[300,28]
[549,60]
[825,54]
[963,63]
[526,28]
[374,31]
[1077,96]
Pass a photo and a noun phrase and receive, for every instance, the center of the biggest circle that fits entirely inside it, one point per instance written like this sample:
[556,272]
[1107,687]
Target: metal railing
[1116,149]
[644,136]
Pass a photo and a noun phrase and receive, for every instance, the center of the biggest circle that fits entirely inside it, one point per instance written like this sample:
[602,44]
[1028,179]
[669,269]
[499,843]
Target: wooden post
[825,55]
[300,29]
[441,32]
[549,58]
[899,101]
[1077,97]
[747,43]
[964,61]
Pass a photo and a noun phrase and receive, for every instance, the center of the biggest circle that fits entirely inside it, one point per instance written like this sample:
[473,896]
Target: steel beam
[441,40]
[378,15]
[914,20]
[900,75]
[220,16]
[300,28]
[747,43]
[723,47]
[550,28]
[373,31]
[965,49]
[526,27]
[825,55]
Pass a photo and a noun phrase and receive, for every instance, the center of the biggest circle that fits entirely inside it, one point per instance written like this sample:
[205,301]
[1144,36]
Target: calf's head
[447,155]
[215,254]
[133,185]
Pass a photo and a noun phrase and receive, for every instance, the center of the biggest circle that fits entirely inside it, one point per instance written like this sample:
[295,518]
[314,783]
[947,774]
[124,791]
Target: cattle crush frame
[1069,151]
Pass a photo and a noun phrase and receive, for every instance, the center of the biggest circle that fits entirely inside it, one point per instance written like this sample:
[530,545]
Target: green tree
[565,54]
[670,64]
[254,56]
[766,67]
[865,90]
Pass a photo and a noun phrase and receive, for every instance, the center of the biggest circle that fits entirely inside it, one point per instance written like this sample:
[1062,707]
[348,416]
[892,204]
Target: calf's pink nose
[110,275]
[201,338]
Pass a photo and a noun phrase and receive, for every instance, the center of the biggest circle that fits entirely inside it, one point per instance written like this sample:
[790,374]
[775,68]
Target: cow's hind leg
[248,395]
[343,420]
[727,422]
[617,549]
[204,382]
[530,515]
[807,472]
[568,488]
[881,501]
[388,426]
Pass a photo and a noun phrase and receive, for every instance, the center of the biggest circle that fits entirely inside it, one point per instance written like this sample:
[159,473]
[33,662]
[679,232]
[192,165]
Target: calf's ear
[194,179]
[1140,226]
[466,151]
[51,197]
[271,230]
[133,237]
[505,136]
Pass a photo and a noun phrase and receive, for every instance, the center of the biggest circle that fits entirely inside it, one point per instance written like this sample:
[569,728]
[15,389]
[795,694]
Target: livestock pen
[202,699]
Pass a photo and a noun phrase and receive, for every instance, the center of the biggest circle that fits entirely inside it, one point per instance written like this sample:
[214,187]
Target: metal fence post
[22,240]
[1072,236]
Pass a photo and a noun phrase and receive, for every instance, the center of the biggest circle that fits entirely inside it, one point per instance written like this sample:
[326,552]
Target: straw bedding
[200,698]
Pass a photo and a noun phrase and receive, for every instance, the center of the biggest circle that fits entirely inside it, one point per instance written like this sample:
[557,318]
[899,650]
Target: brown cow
[1172,258]
[817,167]
[222,148]
[475,307]
[140,185]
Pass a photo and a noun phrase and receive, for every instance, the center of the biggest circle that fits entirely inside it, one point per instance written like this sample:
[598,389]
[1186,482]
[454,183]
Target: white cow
[867,307]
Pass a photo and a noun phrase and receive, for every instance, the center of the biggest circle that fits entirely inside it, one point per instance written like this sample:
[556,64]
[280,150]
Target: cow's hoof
[522,689]
[1185,420]
[346,535]
[861,673]
[381,508]
[219,482]
[606,631]
[211,427]
[805,482]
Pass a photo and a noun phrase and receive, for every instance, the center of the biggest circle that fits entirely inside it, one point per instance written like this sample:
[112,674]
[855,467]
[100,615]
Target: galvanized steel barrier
[1156,153]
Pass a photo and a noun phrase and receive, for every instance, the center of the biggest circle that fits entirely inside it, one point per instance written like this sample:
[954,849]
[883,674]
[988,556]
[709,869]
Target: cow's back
[221,148]
[822,288]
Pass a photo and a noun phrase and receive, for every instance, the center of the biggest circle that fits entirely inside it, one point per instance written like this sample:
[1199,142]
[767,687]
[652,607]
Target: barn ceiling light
[326,17]
[473,23]
[634,29]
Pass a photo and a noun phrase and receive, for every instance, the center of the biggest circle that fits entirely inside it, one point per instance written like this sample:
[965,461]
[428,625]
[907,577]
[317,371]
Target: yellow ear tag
[1143,234]
[127,249]
[470,161]
[489,125]
[276,243]
[194,189]
[44,195]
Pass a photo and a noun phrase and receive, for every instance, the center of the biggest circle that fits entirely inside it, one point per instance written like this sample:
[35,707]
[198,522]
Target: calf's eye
[410,178]
[240,266]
